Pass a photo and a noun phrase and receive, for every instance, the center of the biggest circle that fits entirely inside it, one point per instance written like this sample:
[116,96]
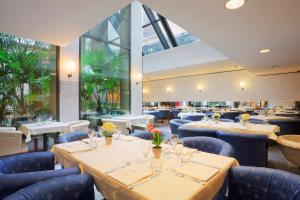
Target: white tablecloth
[100,163]
[265,129]
[182,115]
[42,128]
[269,117]
[133,120]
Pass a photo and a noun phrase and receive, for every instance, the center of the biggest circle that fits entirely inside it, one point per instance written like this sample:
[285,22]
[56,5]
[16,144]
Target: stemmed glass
[117,135]
[145,147]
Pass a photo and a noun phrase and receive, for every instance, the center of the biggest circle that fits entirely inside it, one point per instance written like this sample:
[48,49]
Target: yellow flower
[216,115]
[109,127]
[245,117]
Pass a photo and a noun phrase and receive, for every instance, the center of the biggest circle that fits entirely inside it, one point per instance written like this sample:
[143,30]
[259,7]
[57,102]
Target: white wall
[225,86]
[69,86]
[136,57]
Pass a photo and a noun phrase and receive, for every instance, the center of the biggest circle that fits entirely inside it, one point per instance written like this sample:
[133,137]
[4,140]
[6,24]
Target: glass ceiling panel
[151,42]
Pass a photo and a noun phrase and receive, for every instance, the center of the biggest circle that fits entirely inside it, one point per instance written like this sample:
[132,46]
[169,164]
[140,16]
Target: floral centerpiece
[157,139]
[216,116]
[108,129]
[245,118]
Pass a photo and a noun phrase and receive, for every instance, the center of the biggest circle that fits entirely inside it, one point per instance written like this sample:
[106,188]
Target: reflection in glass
[28,81]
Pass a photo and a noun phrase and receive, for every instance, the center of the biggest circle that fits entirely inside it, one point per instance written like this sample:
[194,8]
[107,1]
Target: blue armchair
[176,123]
[226,120]
[192,132]
[194,117]
[210,145]
[21,170]
[75,187]
[71,137]
[230,115]
[250,149]
[287,126]
[146,135]
[262,183]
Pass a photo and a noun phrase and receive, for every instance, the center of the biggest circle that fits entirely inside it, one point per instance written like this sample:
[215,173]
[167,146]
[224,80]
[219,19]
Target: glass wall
[105,67]
[28,80]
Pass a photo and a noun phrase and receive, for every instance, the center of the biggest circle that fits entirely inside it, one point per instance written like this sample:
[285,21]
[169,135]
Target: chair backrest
[121,125]
[185,131]
[193,117]
[157,114]
[262,183]
[250,149]
[230,115]
[176,123]
[287,126]
[79,125]
[71,137]
[174,114]
[210,145]
[11,143]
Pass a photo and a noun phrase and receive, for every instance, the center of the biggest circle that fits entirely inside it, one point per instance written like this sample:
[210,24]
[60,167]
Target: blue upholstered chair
[230,115]
[157,114]
[176,123]
[250,149]
[21,170]
[194,117]
[71,137]
[192,132]
[247,183]
[210,145]
[146,135]
[257,121]
[73,187]
[287,126]
[174,114]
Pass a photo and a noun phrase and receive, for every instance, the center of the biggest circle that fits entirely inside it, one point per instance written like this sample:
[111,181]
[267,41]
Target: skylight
[160,33]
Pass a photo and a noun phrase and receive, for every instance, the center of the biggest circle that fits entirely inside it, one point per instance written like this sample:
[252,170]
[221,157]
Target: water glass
[93,143]
[186,154]
[145,147]
[117,135]
[91,133]
[156,165]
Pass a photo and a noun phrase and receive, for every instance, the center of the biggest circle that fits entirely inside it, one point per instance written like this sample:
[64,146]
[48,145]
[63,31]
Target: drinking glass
[91,133]
[117,135]
[156,165]
[93,143]
[145,147]
[186,154]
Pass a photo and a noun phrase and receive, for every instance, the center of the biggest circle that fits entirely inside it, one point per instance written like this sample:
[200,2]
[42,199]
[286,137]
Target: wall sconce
[200,88]
[169,90]
[70,66]
[139,78]
[242,85]
[145,91]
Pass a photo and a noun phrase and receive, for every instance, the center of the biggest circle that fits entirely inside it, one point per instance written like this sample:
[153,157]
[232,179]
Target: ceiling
[57,22]
[240,34]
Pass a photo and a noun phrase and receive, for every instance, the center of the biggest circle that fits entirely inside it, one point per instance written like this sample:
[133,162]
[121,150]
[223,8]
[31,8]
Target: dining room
[149,100]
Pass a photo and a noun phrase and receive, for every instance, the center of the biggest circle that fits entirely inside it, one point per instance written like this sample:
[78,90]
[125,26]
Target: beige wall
[225,86]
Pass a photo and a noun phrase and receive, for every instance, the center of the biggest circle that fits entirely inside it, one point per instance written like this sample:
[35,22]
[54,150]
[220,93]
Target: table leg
[45,142]
[35,144]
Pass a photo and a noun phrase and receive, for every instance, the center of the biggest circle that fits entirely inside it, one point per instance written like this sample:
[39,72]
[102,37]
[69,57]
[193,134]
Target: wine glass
[156,165]
[117,135]
[91,132]
[145,147]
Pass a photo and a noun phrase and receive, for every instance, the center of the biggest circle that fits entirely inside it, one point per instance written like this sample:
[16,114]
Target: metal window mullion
[156,27]
[168,30]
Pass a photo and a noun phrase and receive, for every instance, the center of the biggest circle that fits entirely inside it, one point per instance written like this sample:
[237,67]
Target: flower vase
[156,152]
[108,140]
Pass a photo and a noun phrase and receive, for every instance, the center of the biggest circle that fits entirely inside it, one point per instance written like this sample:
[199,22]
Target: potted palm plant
[157,139]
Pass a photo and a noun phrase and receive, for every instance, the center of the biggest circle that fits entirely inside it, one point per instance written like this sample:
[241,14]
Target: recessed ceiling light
[234,4]
[265,51]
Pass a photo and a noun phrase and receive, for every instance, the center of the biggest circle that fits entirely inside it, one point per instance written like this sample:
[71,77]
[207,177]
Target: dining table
[121,170]
[268,117]
[182,115]
[42,128]
[248,128]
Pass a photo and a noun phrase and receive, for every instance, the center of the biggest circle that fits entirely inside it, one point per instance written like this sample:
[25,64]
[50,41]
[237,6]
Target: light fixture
[145,91]
[139,78]
[264,50]
[200,88]
[71,66]
[168,89]
[234,4]
[242,85]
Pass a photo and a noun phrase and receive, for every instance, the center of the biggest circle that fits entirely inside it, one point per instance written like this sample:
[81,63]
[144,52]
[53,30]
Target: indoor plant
[108,129]
[216,116]
[157,139]
[245,118]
